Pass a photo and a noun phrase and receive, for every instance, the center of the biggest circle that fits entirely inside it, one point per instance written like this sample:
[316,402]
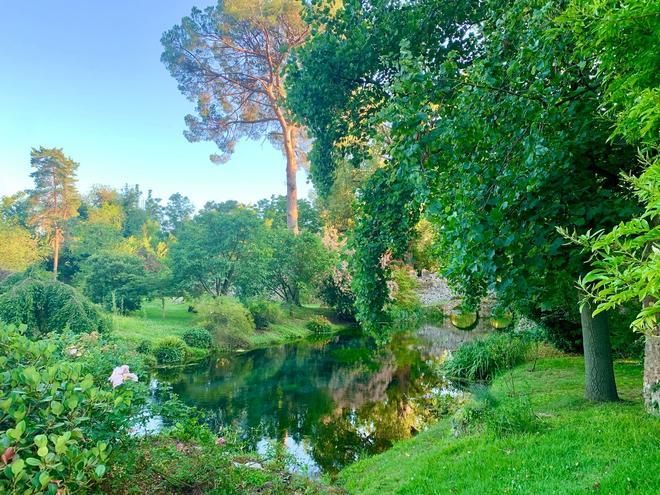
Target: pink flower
[220,441]
[120,374]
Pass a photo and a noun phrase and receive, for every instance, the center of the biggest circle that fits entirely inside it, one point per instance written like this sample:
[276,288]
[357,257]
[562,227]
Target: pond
[327,401]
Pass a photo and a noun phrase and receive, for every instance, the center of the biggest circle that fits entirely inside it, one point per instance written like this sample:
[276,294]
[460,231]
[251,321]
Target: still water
[326,401]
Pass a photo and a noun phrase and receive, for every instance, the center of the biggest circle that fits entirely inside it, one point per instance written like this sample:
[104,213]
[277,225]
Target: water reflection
[326,401]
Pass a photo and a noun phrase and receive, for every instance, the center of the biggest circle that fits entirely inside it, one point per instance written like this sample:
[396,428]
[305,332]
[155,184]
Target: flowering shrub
[336,292]
[56,425]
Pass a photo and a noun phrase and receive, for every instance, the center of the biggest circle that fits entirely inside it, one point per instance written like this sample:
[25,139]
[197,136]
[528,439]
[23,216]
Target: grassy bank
[151,323]
[580,447]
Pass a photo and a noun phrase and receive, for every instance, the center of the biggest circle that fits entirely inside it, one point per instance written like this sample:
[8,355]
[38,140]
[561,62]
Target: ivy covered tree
[229,59]
[54,199]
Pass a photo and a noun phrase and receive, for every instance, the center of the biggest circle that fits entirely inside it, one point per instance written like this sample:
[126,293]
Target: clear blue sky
[86,76]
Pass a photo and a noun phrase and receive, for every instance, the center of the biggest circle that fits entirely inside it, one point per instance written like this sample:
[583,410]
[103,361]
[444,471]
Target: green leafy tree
[178,210]
[297,266]
[216,249]
[336,82]
[20,248]
[54,199]
[229,59]
[118,281]
[623,36]
[273,210]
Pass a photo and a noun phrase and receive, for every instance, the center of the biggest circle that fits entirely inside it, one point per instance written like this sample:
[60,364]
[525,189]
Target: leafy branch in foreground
[626,260]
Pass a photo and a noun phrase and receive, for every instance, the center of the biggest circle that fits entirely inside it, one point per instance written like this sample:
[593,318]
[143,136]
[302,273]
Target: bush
[264,312]
[319,324]
[198,337]
[144,347]
[483,359]
[227,320]
[49,306]
[56,427]
[170,351]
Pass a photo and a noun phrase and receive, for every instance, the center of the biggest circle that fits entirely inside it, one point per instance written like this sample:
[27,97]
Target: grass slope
[582,447]
[149,323]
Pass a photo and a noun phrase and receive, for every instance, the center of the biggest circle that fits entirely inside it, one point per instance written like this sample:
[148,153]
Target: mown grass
[581,447]
[151,324]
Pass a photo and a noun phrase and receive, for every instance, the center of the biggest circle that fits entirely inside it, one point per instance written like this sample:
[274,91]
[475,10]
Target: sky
[86,76]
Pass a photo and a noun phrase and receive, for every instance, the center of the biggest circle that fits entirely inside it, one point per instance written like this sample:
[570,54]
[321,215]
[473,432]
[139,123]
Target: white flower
[120,374]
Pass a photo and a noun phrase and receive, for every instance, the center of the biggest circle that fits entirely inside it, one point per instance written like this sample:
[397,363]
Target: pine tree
[54,198]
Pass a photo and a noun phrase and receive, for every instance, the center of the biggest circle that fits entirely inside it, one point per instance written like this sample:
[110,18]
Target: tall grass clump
[481,360]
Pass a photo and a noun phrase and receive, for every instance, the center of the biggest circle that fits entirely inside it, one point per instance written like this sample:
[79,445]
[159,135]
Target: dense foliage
[57,427]
[49,306]
[117,281]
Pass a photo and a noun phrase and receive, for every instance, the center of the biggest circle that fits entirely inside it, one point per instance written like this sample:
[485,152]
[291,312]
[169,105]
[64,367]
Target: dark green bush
[117,281]
[198,337]
[170,351]
[144,347]
[49,306]
[483,359]
[319,324]
[264,312]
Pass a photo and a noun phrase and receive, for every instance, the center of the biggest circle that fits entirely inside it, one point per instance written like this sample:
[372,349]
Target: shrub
[49,306]
[319,324]
[170,351]
[56,427]
[227,320]
[335,291]
[144,347]
[264,312]
[198,337]
[512,416]
[483,359]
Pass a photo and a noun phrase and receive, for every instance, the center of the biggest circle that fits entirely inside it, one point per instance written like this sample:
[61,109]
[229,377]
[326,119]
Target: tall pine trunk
[599,383]
[56,253]
[291,186]
[652,368]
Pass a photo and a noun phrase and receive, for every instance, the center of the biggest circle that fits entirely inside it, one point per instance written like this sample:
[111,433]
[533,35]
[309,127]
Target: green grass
[149,324]
[581,447]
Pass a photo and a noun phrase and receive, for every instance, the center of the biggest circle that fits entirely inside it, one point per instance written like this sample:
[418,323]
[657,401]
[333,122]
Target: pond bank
[578,447]
[151,324]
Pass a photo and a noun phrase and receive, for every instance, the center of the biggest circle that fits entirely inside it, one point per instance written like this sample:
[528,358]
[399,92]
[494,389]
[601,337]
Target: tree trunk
[291,187]
[652,368]
[600,385]
[56,254]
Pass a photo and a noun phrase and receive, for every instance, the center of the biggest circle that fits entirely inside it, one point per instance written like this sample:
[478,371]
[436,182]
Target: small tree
[54,198]
[297,266]
[216,249]
[118,281]
[230,59]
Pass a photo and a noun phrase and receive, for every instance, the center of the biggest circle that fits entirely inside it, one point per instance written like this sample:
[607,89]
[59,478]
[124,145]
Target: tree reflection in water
[328,402]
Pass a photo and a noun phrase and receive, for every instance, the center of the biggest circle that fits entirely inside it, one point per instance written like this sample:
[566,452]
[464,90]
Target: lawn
[151,324]
[581,447]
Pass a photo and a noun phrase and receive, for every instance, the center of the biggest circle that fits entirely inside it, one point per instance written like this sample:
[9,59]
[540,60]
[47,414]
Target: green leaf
[100,470]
